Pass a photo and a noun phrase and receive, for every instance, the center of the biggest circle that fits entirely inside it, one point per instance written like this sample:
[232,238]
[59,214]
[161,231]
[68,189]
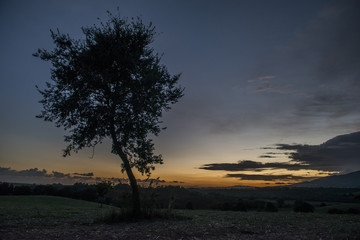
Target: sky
[272,91]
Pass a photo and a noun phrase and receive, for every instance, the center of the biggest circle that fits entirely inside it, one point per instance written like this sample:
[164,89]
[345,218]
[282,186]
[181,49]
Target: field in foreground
[45,217]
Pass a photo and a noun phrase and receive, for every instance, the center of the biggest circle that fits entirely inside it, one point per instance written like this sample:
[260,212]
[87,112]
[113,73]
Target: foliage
[270,207]
[44,190]
[22,190]
[301,206]
[280,202]
[6,188]
[241,206]
[102,189]
[353,211]
[110,85]
[189,205]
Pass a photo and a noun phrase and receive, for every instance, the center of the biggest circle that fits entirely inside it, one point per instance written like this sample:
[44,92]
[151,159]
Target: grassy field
[45,217]
[30,207]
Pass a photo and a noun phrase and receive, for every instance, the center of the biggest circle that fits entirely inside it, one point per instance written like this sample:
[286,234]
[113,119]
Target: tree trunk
[136,208]
[135,190]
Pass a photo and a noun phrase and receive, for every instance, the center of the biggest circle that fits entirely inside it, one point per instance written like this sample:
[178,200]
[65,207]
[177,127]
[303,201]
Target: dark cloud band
[247,165]
[286,177]
[339,154]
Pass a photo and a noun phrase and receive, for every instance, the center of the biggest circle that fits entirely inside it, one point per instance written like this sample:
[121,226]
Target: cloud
[261,78]
[33,172]
[286,177]
[266,156]
[90,174]
[247,165]
[266,86]
[59,175]
[34,175]
[340,153]
[177,182]
[330,53]
[317,69]
[262,84]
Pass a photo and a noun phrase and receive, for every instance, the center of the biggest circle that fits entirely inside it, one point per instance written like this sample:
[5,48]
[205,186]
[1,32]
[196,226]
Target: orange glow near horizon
[194,177]
[175,171]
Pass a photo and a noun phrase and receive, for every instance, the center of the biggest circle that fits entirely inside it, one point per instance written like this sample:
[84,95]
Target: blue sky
[256,73]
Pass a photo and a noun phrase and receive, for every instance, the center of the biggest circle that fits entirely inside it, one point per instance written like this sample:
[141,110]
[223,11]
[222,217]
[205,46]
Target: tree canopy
[111,84]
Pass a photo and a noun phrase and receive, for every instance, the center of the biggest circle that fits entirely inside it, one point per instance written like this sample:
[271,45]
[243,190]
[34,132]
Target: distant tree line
[177,197]
[77,191]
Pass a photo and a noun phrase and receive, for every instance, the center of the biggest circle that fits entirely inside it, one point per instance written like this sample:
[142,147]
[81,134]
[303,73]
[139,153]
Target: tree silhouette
[110,85]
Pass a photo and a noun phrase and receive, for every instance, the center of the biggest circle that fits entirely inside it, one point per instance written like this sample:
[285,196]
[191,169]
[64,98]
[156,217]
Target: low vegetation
[49,217]
[174,197]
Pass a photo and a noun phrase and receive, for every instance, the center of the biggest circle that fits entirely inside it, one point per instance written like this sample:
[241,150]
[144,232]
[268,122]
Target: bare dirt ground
[203,225]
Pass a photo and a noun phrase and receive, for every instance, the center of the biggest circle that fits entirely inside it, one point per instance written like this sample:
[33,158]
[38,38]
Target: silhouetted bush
[102,189]
[301,206]
[335,211]
[341,211]
[280,202]
[226,206]
[6,188]
[270,207]
[115,215]
[189,205]
[88,194]
[353,211]
[260,205]
[67,191]
[240,206]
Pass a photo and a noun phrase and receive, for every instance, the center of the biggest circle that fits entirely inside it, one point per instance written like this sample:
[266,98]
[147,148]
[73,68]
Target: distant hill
[350,180]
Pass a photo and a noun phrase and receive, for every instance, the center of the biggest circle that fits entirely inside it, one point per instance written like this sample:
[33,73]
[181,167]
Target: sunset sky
[267,83]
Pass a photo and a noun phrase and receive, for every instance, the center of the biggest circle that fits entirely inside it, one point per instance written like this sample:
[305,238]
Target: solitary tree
[110,84]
